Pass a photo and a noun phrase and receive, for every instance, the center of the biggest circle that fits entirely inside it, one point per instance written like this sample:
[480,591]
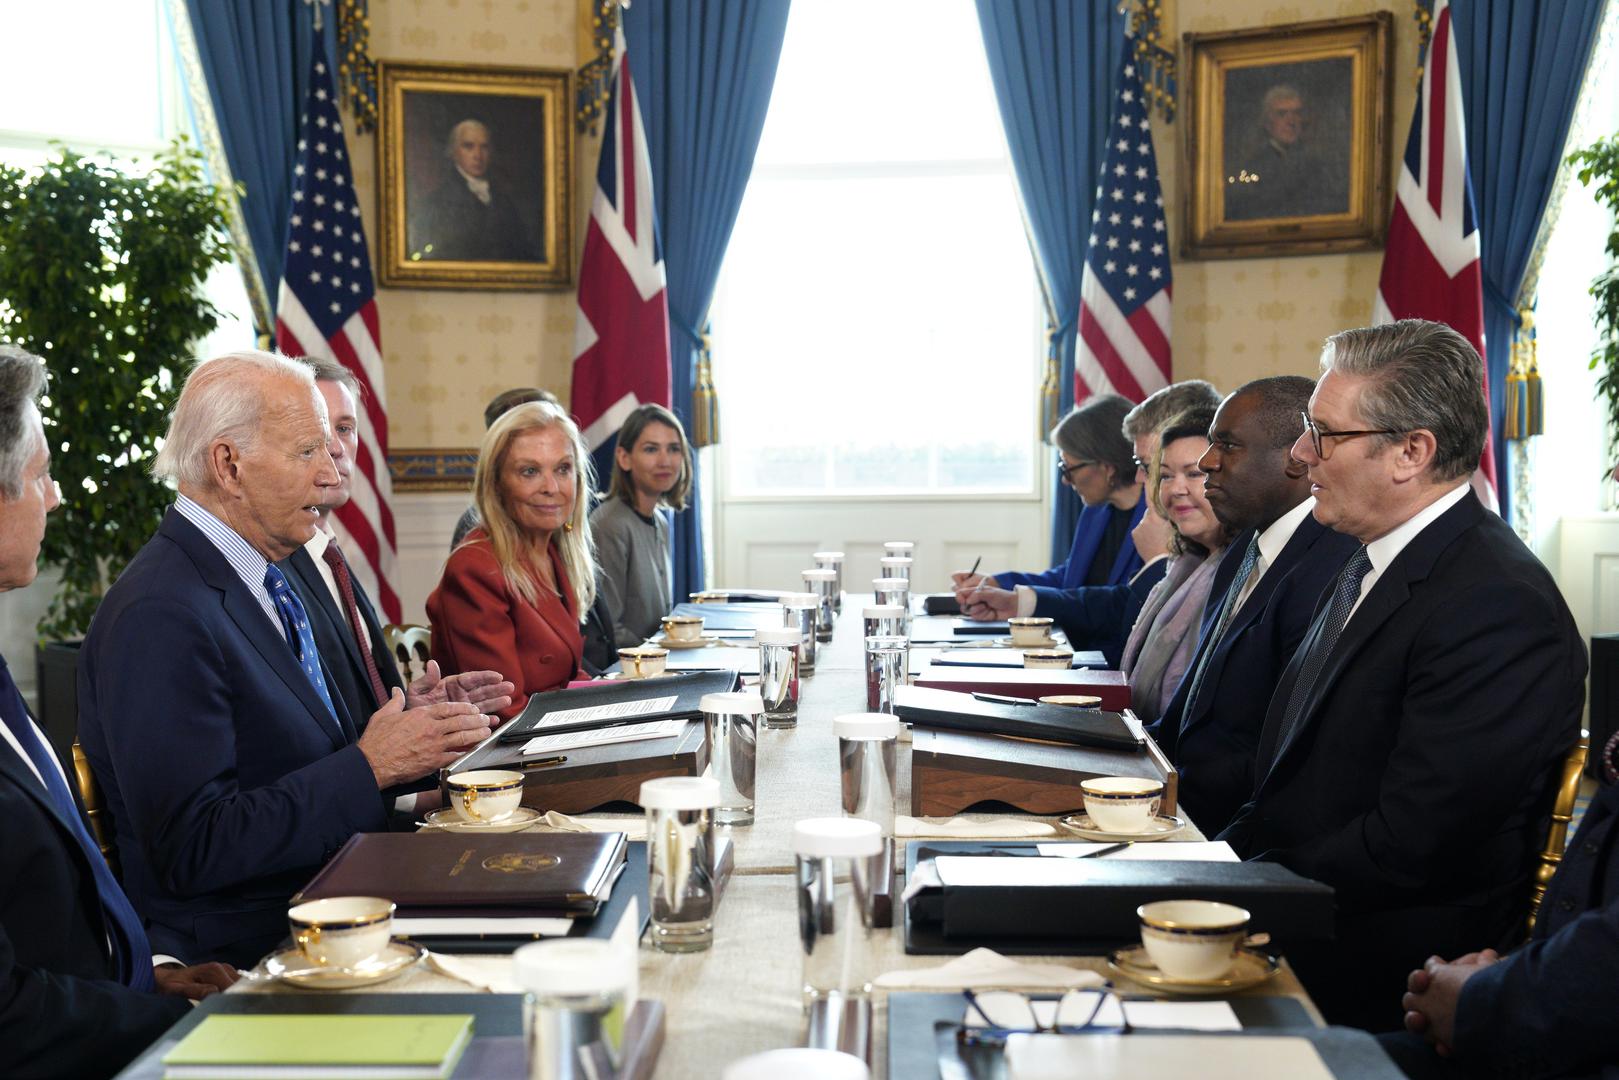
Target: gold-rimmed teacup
[683,627]
[1048,659]
[642,661]
[1030,631]
[1196,940]
[341,931]
[485,795]
[1122,804]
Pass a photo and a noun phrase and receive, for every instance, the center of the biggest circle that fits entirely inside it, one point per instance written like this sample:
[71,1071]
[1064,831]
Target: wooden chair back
[1568,791]
[95,807]
[412,646]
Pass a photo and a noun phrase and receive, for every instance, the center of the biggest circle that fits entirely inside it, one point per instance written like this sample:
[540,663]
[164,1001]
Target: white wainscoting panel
[1587,569]
[423,524]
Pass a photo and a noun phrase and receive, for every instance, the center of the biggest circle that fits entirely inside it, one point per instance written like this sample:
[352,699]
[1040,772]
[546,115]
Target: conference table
[743,995]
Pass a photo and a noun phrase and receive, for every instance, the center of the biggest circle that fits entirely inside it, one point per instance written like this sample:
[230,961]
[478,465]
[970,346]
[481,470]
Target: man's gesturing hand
[407,744]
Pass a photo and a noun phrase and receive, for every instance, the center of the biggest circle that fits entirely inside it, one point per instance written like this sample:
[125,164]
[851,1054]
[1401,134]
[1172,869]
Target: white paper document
[1184,1015]
[1207,1057]
[578,740]
[592,714]
[1166,850]
[458,926]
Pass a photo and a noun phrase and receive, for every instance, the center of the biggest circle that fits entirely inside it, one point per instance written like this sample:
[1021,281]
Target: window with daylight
[122,96]
[877,325]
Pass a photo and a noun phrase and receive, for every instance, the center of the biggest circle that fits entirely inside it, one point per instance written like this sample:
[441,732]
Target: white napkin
[963,829]
[556,821]
[984,969]
[491,974]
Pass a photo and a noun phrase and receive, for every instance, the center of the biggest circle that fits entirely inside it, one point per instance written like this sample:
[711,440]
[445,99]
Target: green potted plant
[102,266]
[1598,167]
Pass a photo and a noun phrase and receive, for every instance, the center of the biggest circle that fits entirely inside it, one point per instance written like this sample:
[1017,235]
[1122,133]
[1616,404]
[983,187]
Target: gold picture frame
[1287,141]
[476,176]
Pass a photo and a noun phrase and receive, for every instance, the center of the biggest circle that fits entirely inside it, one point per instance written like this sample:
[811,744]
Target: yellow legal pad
[306,1047]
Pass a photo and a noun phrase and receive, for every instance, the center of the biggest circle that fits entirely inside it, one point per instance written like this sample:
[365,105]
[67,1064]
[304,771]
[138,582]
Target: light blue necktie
[295,621]
[1228,608]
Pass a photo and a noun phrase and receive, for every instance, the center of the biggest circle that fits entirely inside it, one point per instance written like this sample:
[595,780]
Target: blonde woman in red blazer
[515,589]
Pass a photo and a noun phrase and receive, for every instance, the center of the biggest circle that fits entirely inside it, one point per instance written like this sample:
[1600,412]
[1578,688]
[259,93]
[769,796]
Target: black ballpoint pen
[1110,849]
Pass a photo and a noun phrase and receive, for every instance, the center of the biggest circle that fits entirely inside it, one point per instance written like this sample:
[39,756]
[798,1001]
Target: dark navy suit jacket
[1094,616]
[227,779]
[1212,740]
[1548,1009]
[1419,778]
[63,1011]
[334,639]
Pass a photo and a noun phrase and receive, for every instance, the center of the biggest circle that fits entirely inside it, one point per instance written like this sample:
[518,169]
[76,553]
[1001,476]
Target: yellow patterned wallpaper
[1241,319]
[447,353]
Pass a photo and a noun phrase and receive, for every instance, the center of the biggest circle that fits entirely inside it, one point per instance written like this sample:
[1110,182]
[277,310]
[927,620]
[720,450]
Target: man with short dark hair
[79,994]
[347,631]
[1262,599]
[1412,747]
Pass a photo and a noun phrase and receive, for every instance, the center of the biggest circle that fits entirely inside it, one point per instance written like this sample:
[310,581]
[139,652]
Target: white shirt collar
[1280,531]
[317,544]
[1387,547]
[478,187]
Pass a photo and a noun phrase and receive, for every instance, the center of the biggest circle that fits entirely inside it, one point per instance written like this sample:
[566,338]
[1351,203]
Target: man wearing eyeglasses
[1412,746]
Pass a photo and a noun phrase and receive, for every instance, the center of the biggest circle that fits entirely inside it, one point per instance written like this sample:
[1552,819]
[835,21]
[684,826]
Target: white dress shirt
[1271,543]
[1385,548]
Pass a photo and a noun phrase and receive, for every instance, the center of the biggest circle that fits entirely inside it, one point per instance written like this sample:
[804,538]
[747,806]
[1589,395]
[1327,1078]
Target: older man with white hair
[79,995]
[231,769]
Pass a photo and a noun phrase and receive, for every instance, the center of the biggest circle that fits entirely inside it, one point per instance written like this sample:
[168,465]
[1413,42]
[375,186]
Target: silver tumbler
[578,987]
[778,675]
[867,755]
[904,548]
[883,620]
[680,860]
[837,862]
[896,566]
[823,583]
[895,591]
[885,670]
[732,722]
[832,560]
[802,611]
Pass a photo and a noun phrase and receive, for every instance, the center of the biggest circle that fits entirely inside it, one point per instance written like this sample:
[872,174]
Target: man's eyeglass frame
[1316,434]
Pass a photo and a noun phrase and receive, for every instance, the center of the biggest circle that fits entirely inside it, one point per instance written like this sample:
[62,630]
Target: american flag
[1124,293]
[327,307]
[1431,261]
[621,336]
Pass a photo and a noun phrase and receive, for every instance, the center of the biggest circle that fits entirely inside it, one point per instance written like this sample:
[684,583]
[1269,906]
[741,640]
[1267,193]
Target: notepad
[298,1046]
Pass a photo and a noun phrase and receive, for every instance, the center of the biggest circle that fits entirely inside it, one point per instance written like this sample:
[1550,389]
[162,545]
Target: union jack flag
[621,337]
[1431,261]
[327,307]
[1124,292]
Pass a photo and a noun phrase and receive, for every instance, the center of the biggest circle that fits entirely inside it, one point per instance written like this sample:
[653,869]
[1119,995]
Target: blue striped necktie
[1344,595]
[295,621]
[131,952]
[1228,608]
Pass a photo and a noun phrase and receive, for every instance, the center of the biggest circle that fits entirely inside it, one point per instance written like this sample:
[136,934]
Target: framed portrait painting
[1288,140]
[476,175]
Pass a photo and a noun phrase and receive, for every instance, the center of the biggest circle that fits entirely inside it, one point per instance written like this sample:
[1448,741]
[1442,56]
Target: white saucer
[1251,968]
[664,674]
[1163,826]
[292,966]
[707,641]
[445,819]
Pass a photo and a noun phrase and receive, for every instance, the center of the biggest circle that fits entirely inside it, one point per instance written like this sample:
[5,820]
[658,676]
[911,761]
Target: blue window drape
[1522,64]
[1052,63]
[255,59]
[703,70]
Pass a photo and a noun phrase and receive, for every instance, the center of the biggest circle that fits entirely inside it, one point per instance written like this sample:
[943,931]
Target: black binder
[1056,723]
[1099,914]
[688,690]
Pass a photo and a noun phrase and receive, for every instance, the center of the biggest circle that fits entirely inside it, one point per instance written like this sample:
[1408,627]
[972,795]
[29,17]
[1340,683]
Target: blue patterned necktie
[1228,608]
[131,952]
[295,621]
[1344,595]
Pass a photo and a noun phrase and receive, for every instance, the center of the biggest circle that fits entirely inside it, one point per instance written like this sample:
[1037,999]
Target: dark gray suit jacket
[338,648]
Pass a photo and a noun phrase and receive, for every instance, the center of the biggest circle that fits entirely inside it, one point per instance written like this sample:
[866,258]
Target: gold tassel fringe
[705,401]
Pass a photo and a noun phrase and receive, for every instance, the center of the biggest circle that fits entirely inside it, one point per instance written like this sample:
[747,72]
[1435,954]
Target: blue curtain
[1522,63]
[703,70]
[1052,62]
[255,58]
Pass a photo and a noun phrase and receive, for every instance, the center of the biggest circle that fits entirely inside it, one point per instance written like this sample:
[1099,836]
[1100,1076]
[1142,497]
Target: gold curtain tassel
[705,402]
[1050,392]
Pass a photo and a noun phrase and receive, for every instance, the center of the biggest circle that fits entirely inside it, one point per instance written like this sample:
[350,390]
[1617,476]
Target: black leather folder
[1098,914]
[941,604]
[954,711]
[688,690]
[1009,657]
